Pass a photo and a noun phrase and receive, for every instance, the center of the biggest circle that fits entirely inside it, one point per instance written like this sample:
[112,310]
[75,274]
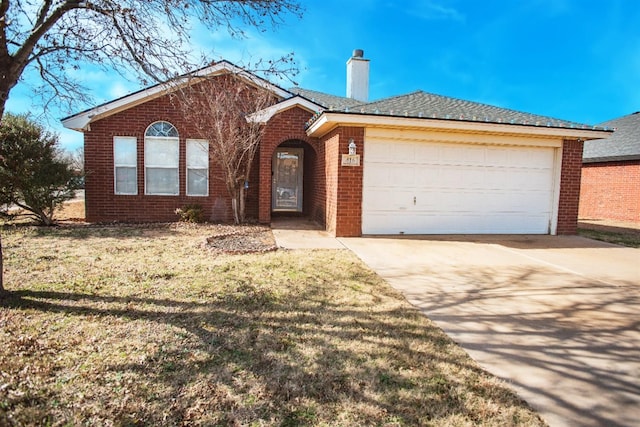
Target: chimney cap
[358,53]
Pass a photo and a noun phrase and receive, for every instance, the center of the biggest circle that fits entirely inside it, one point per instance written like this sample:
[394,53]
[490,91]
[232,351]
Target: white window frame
[148,143]
[131,164]
[202,146]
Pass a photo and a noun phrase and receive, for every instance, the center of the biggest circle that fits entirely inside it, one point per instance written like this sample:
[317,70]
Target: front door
[287,179]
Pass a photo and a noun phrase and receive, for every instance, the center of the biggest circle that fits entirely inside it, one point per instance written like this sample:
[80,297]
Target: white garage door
[445,188]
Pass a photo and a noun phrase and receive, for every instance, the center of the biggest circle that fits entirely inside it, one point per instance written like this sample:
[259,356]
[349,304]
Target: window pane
[124,151]
[197,182]
[161,152]
[126,180]
[162,181]
[197,154]
[162,129]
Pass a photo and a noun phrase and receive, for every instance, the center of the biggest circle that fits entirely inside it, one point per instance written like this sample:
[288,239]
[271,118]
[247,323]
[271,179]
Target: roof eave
[606,159]
[263,116]
[82,120]
[327,121]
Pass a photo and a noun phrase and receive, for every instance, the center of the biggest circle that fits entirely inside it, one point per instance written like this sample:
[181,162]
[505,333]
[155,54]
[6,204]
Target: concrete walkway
[558,318]
[302,233]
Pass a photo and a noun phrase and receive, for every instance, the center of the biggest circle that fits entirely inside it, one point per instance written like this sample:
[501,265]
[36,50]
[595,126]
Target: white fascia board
[263,116]
[81,121]
[328,121]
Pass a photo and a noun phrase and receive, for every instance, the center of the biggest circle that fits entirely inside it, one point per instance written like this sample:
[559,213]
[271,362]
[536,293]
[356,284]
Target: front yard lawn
[142,325]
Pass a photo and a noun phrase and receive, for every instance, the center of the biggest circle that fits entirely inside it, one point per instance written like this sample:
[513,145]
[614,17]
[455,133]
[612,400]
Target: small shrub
[34,174]
[190,213]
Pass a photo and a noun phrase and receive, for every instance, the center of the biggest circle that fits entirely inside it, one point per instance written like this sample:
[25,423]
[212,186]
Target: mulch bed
[242,239]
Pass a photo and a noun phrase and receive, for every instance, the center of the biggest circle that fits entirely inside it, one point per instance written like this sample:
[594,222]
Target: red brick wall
[102,205]
[288,126]
[344,183]
[611,190]
[332,163]
[569,187]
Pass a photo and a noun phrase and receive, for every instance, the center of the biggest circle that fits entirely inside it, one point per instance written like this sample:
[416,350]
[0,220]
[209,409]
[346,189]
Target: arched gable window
[162,129]
[161,159]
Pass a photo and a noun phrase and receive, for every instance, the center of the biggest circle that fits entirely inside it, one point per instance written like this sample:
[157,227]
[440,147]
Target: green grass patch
[625,239]
[145,326]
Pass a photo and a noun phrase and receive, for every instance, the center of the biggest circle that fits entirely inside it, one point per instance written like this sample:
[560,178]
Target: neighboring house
[411,164]
[611,173]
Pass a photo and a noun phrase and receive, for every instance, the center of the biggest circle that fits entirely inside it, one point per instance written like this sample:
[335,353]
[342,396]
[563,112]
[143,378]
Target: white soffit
[328,121]
[265,115]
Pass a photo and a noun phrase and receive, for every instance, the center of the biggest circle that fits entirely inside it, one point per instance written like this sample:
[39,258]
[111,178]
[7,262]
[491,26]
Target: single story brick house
[611,173]
[417,163]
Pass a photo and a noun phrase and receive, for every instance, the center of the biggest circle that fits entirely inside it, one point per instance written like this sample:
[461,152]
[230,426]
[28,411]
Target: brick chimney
[358,76]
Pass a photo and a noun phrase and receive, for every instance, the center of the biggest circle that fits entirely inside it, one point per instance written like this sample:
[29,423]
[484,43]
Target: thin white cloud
[119,89]
[435,10]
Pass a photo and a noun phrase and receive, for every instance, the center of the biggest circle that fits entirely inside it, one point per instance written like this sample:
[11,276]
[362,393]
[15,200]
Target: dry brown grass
[71,211]
[141,325]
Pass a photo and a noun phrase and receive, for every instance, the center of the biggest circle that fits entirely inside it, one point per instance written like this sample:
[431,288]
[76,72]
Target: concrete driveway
[558,318]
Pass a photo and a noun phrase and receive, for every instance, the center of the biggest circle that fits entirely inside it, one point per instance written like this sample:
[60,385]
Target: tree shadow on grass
[85,230]
[252,356]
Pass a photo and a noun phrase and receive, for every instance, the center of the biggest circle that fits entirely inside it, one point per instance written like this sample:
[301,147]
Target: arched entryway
[296,181]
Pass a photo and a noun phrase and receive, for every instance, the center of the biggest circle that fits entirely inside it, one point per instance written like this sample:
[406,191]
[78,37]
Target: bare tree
[75,159]
[149,38]
[219,108]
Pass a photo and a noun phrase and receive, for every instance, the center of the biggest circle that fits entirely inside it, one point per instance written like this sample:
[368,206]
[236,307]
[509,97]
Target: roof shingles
[426,105]
[624,144]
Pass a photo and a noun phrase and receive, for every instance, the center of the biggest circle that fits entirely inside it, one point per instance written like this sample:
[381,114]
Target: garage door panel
[458,223]
[401,176]
[427,175]
[460,177]
[434,188]
[458,201]
[517,179]
[393,176]
[390,200]
[463,155]
[508,202]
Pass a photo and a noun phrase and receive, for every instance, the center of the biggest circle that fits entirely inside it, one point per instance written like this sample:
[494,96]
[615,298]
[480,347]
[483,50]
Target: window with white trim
[125,165]
[197,167]
[161,160]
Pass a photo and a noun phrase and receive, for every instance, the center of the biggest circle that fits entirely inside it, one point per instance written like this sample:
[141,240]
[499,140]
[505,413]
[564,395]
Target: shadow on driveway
[557,317]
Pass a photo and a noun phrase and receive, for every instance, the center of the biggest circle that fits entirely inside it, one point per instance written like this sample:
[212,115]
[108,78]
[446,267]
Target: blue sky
[575,60]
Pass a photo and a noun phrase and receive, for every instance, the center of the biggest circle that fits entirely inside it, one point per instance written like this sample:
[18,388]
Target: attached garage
[420,184]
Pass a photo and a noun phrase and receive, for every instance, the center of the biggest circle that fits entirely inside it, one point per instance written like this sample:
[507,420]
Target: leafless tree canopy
[218,108]
[147,37]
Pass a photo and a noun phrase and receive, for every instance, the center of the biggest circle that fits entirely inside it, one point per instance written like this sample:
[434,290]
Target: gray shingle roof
[421,104]
[624,144]
[329,102]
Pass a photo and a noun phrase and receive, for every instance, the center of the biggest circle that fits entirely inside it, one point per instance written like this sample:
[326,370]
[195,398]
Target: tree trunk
[234,208]
[2,291]
[4,95]
[243,194]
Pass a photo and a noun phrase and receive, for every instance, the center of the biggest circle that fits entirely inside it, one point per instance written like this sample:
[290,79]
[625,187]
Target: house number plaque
[351,160]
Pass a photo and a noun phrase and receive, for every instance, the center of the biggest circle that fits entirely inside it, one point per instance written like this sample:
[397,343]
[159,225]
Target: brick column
[570,187]
[344,183]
